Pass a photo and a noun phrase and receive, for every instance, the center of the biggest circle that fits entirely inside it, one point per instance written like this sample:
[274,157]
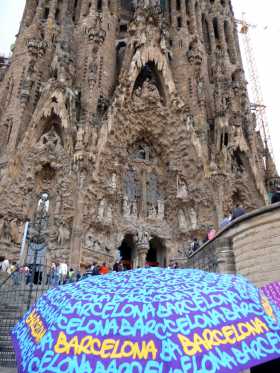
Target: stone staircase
[14,302]
[9,315]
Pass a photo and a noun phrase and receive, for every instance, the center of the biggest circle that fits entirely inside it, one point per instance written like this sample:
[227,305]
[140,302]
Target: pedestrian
[2,258]
[276,195]
[194,245]
[117,267]
[78,276]
[95,269]
[237,212]
[62,270]
[5,265]
[226,221]
[211,233]
[54,275]
[70,275]
[14,270]
[103,269]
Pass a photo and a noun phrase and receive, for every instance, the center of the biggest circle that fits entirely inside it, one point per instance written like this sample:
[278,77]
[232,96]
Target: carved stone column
[76,249]
[142,246]
[218,181]
[225,256]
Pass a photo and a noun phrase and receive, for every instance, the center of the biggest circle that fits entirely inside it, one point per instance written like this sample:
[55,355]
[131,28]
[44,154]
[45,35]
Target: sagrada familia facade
[132,118]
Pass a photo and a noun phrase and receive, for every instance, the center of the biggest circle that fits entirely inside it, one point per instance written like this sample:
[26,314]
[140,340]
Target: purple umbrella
[272,291]
[149,320]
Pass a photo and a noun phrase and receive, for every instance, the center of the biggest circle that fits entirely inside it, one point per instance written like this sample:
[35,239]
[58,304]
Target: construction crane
[258,105]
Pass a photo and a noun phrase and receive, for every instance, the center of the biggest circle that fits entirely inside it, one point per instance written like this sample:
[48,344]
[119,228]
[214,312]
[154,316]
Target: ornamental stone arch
[152,56]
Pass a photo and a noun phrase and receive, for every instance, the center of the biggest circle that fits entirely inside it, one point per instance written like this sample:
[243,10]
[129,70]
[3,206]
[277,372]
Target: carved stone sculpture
[182,192]
[183,225]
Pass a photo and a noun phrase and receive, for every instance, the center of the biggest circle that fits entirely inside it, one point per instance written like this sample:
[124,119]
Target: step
[7,315]
[5,331]
[6,349]
[7,359]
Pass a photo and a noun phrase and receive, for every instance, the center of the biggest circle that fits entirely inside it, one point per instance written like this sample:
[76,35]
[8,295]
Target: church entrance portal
[156,254]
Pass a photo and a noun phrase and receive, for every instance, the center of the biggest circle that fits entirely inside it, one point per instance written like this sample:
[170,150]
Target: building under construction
[133,119]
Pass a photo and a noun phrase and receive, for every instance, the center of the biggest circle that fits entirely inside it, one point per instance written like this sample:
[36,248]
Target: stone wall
[248,246]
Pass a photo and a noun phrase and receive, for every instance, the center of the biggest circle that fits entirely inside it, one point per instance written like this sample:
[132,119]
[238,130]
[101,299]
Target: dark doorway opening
[126,250]
[156,256]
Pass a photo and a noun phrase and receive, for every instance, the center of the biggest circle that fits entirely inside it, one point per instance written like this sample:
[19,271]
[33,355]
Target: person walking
[95,270]
[237,212]
[103,269]
[5,265]
[276,195]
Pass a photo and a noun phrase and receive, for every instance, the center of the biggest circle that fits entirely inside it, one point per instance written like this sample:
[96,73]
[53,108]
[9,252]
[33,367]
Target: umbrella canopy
[272,290]
[147,321]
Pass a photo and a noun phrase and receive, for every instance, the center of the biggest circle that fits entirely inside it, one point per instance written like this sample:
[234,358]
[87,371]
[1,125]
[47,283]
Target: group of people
[211,233]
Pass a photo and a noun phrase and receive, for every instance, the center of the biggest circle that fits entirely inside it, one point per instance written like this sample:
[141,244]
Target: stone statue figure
[2,225]
[152,214]
[142,238]
[182,191]
[109,215]
[80,138]
[50,141]
[101,210]
[126,207]
[16,231]
[183,226]
[113,182]
[63,234]
[89,239]
[193,218]
[134,209]
[160,205]
[189,122]
[97,246]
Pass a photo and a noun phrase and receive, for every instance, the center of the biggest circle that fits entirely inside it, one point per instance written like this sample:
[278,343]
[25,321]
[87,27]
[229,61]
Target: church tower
[133,118]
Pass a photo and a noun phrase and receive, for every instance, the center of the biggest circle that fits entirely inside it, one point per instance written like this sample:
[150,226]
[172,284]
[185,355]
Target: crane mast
[258,105]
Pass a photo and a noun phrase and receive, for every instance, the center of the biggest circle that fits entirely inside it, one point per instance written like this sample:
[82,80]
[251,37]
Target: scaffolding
[258,105]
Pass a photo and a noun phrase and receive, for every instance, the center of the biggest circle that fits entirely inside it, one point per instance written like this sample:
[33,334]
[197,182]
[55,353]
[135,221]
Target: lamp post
[38,240]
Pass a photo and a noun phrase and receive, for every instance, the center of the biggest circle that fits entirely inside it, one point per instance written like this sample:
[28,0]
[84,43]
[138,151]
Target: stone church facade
[133,118]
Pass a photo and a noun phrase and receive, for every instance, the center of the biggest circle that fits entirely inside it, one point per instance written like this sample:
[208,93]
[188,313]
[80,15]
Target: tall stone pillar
[75,252]
[142,246]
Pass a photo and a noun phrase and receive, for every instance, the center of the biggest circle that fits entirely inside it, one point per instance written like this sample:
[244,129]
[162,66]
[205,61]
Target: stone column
[84,8]
[198,17]
[75,253]
[218,181]
[53,7]
[173,13]
[184,13]
[193,25]
[142,246]
[225,255]
[40,9]
[211,34]
[222,33]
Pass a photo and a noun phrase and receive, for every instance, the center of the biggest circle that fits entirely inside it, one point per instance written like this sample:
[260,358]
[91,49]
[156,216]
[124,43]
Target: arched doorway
[156,256]
[127,252]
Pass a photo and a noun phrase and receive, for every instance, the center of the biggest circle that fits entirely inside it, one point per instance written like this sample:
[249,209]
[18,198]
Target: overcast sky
[265,37]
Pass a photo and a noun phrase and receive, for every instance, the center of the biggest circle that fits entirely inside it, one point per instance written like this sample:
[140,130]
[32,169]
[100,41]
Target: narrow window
[46,13]
[178,5]
[57,16]
[179,22]
[99,5]
[188,7]
[216,29]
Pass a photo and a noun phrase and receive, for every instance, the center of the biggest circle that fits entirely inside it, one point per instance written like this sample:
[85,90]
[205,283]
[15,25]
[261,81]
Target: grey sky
[265,39]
